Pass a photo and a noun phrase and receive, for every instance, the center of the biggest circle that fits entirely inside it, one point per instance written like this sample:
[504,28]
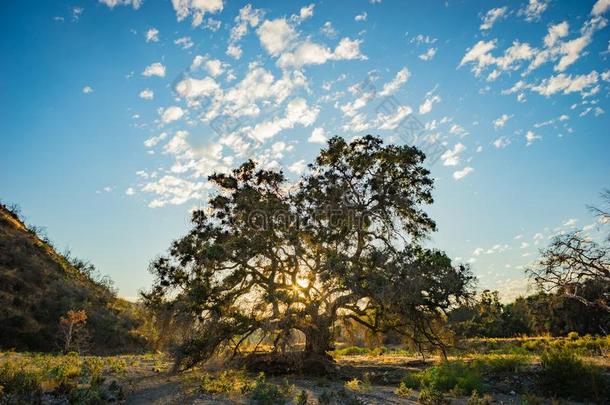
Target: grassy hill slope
[38,285]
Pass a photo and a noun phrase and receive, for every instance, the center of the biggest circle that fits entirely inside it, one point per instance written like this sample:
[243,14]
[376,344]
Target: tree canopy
[276,259]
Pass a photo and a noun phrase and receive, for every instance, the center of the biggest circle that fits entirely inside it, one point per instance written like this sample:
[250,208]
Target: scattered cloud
[156,69]
[147,94]
[428,55]
[318,135]
[492,16]
[87,90]
[172,113]
[196,8]
[361,17]
[460,174]
[152,35]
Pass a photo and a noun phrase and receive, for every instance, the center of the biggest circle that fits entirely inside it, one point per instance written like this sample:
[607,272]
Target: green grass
[563,373]
[457,377]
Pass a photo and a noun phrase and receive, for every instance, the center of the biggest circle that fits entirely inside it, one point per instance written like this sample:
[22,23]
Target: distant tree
[72,330]
[271,259]
[574,263]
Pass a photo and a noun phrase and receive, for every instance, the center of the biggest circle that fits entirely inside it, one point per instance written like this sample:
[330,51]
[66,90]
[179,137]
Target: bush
[20,382]
[227,382]
[501,364]
[564,374]
[455,376]
[431,396]
[403,390]
[475,399]
[265,393]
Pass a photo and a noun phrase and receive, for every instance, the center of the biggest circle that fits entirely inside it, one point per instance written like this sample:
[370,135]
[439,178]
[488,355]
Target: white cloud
[460,174]
[451,157]
[491,16]
[305,13]
[214,67]
[311,53]
[426,106]
[172,113]
[328,29]
[479,53]
[533,10]
[349,49]
[198,8]
[234,51]
[566,83]
[555,33]
[391,121]
[173,190]
[248,17]
[113,3]
[130,191]
[147,94]
[87,90]
[392,86]
[194,88]
[318,135]
[297,112]
[153,141]
[501,143]
[184,42]
[501,121]
[531,137]
[571,222]
[152,35]
[156,69]
[276,35]
[361,17]
[298,167]
[600,7]
[428,55]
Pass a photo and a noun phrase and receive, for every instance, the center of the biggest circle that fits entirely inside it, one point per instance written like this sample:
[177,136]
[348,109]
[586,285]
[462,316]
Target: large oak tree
[271,258]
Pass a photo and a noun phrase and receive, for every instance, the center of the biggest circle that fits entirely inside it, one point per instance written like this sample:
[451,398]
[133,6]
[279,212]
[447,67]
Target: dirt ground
[144,385]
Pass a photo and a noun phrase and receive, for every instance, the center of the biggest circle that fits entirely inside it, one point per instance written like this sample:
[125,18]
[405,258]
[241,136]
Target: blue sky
[116,111]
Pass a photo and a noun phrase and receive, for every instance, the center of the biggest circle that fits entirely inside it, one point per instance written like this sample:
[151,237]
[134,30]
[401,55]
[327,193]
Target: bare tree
[573,261]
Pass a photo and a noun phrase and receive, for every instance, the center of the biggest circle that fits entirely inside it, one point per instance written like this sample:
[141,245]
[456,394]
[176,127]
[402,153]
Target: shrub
[412,380]
[265,393]
[501,364]
[21,382]
[228,381]
[403,390]
[564,374]
[475,399]
[455,376]
[431,396]
[301,398]
[352,351]
[573,336]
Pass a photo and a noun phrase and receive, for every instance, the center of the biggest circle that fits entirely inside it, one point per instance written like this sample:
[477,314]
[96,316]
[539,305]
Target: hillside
[38,286]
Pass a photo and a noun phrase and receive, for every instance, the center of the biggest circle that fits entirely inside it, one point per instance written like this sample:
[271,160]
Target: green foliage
[340,229]
[301,398]
[501,363]
[403,390]
[227,382]
[431,396]
[536,314]
[476,399]
[359,385]
[455,376]
[82,380]
[265,393]
[564,374]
